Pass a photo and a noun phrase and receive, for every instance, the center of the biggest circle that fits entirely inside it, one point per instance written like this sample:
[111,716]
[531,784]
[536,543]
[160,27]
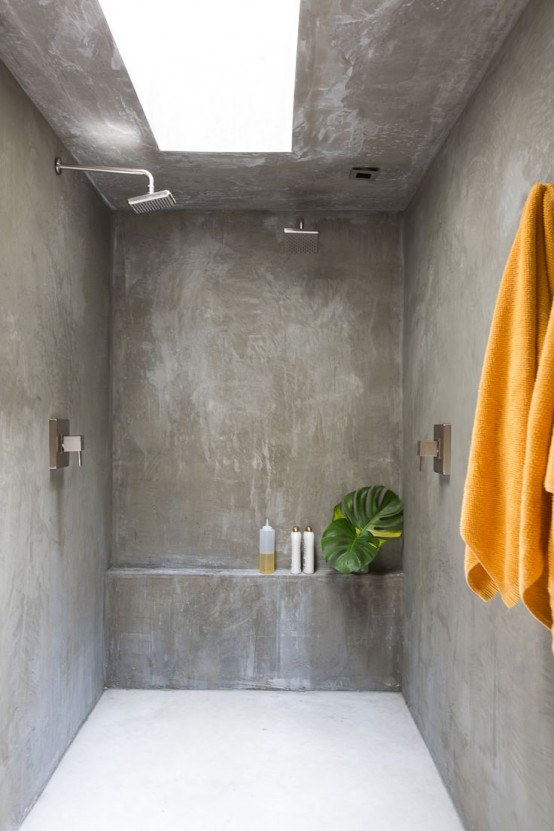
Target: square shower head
[152,201]
[299,241]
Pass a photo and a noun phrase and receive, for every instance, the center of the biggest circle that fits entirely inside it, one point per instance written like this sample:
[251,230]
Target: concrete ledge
[201,629]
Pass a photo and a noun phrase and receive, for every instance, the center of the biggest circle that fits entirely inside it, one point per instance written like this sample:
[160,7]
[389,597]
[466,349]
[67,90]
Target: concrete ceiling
[379,82]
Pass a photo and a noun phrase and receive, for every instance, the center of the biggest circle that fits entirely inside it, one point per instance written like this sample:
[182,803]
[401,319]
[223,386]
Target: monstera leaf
[362,523]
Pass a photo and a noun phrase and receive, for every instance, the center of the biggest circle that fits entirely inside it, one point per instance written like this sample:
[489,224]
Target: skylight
[212,77]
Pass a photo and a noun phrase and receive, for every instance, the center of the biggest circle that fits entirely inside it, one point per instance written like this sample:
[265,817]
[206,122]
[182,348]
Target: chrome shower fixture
[151,201]
[299,241]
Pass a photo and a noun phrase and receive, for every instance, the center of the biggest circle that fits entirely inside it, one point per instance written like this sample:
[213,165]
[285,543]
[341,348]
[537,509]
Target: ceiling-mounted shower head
[299,241]
[151,201]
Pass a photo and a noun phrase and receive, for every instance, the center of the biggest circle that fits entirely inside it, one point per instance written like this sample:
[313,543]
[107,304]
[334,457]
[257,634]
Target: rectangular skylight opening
[212,77]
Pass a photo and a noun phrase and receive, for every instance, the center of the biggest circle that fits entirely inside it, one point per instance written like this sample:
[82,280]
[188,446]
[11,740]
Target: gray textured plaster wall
[377,82]
[54,527]
[248,383]
[479,678]
[236,629]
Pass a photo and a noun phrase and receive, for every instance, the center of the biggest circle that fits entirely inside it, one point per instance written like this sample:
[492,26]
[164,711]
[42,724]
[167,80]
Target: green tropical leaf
[375,509]
[362,522]
[337,512]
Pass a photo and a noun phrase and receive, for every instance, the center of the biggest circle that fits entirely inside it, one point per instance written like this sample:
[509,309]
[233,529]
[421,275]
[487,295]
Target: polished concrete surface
[377,82]
[479,678]
[247,384]
[208,760]
[236,371]
[238,629]
[54,525]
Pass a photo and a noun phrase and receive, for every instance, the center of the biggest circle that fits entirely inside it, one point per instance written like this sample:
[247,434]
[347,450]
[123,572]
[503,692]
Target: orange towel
[507,510]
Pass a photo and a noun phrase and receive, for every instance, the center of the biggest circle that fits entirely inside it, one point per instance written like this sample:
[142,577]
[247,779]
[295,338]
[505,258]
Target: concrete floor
[205,761]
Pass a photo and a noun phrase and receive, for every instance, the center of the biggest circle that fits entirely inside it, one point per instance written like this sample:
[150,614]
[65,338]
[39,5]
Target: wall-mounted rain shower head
[299,241]
[151,201]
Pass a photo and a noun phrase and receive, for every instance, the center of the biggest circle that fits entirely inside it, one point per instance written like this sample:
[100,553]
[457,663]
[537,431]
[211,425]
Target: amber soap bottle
[267,549]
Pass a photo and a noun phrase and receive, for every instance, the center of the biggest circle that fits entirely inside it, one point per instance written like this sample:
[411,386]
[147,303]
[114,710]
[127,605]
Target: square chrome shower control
[439,449]
[62,444]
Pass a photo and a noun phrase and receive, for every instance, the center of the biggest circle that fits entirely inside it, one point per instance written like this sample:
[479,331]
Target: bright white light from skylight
[212,75]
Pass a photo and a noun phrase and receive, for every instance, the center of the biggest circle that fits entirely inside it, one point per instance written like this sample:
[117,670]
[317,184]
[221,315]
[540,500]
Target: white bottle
[309,562]
[295,546]
[267,549]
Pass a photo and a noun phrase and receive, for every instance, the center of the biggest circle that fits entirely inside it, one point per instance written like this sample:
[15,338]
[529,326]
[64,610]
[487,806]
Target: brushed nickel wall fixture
[62,444]
[151,201]
[440,449]
[300,241]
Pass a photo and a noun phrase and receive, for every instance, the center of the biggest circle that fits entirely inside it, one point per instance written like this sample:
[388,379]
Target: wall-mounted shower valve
[427,449]
[62,444]
[439,449]
[74,444]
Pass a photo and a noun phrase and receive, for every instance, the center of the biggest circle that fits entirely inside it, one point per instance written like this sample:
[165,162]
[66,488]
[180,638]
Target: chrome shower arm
[132,171]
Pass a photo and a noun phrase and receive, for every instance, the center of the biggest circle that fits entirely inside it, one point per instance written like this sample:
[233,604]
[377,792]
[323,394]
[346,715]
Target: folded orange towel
[507,509]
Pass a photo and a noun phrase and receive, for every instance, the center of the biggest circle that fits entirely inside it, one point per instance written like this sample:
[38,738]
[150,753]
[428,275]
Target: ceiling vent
[364,172]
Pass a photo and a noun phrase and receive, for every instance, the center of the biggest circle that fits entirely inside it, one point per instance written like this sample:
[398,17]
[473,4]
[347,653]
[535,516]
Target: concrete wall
[248,383]
[241,630]
[479,678]
[54,527]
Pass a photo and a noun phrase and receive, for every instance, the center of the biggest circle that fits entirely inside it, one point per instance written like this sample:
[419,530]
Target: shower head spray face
[157,201]
[299,241]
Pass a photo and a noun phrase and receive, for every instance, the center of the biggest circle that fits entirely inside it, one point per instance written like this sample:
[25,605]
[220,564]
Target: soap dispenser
[267,549]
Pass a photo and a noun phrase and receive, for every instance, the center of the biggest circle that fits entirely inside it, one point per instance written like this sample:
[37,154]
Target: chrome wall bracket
[62,444]
[440,449]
